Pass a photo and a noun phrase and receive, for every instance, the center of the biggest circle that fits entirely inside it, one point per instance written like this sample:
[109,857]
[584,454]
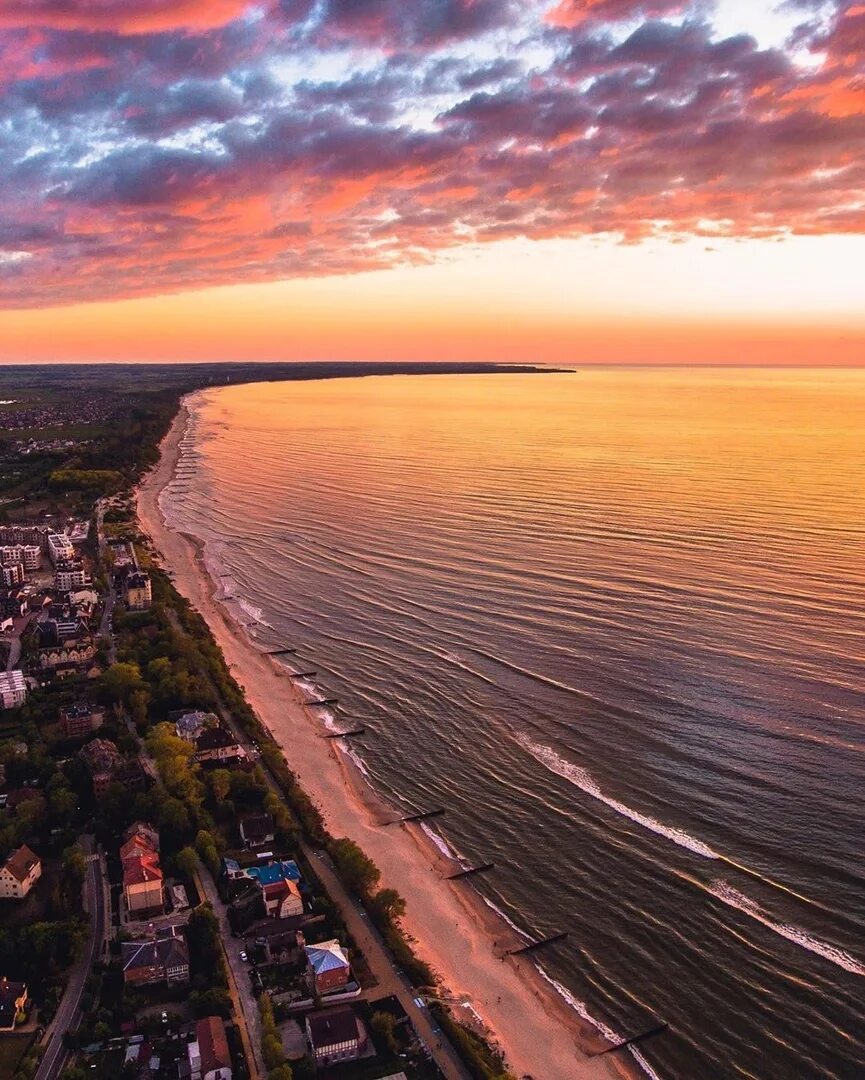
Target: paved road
[110,599]
[390,979]
[239,986]
[67,1015]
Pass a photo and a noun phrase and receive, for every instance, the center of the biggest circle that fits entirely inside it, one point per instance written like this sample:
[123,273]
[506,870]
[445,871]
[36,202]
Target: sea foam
[584,780]
[725,892]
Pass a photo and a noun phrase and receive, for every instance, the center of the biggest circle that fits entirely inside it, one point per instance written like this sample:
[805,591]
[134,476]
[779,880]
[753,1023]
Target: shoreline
[449,924]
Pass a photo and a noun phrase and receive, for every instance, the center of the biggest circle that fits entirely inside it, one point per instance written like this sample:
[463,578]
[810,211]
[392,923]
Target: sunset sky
[568,181]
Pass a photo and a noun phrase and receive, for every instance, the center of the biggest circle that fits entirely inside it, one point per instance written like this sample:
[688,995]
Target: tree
[205,845]
[281,1072]
[383,1024]
[389,903]
[358,871]
[220,784]
[186,861]
[121,681]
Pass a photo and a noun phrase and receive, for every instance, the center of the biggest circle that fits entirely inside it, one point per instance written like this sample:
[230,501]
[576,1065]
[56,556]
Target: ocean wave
[503,915]
[440,842]
[725,892]
[581,1009]
[584,780]
[329,719]
[354,756]
[255,613]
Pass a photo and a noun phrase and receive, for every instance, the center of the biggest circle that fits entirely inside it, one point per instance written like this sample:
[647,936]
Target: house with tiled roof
[217,744]
[19,873]
[282,899]
[163,959]
[328,966]
[142,875]
[257,831]
[209,1056]
[336,1035]
[190,725]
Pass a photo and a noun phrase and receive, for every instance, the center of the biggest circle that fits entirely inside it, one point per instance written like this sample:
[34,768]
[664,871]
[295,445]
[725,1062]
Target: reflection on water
[615,622]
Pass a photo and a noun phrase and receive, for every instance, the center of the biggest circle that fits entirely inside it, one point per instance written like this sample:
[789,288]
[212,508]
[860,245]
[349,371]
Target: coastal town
[171,905]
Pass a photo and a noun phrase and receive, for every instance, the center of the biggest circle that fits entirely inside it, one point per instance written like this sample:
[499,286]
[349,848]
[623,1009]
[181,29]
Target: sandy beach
[539,1033]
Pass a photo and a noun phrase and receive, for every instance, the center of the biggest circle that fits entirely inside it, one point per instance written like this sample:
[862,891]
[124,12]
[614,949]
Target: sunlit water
[614,621]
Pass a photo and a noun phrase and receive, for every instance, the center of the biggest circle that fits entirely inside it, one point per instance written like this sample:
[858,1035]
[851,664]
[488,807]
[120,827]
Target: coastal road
[239,986]
[110,599]
[67,1015]
[390,979]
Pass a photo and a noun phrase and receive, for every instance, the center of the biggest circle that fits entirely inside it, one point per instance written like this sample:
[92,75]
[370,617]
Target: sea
[613,622]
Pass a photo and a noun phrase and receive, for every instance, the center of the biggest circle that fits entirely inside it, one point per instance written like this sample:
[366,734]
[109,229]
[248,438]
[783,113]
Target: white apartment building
[70,575]
[12,574]
[13,689]
[29,555]
[60,548]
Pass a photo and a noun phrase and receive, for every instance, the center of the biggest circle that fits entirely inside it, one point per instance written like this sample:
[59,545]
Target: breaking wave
[725,892]
[584,780]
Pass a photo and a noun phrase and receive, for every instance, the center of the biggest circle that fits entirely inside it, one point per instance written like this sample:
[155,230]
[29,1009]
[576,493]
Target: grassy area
[13,1049]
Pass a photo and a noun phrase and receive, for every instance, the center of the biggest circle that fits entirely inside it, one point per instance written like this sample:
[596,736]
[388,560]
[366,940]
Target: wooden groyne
[469,871]
[280,652]
[533,946]
[322,701]
[421,815]
[656,1030]
[344,734]
[302,674]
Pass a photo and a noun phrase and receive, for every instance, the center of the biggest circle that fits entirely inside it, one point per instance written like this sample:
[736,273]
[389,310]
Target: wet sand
[451,928]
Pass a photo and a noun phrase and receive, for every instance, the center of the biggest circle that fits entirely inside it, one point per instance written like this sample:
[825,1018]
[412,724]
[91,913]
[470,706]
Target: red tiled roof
[21,862]
[212,1044]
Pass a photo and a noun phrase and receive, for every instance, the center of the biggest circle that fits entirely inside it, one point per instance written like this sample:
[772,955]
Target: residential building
[192,724]
[282,899]
[139,595]
[30,535]
[70,575]
[13,689]
[209,1056]
[106,767]
[60,548]
[142,874]
[217,744]
[13,1004]
[28,555]
[81,718]
[13,603]
[257,831]
[19,873]
[328,966]
[335,1035]
[161,959]
[12,574]
[71,655]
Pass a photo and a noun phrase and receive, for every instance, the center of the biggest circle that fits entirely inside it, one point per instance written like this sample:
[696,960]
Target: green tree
[357,869]
[389,903]
[383,1025]
[121,681]
[220,784]
[187,862]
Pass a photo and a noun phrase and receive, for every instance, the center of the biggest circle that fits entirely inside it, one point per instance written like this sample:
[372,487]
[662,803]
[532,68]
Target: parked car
[244,957]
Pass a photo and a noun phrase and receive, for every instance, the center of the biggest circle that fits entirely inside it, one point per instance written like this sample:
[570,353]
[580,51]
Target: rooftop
[332,1026]
[326,956]
[21,862]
